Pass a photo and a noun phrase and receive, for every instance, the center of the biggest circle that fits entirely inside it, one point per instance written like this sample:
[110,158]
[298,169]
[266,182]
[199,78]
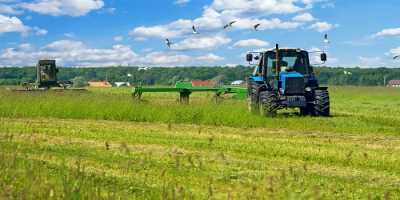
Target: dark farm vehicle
[284,78]
[46,77]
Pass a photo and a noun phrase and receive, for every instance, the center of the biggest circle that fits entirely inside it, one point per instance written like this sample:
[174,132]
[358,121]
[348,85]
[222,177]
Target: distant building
[200,83]
[143,68]
[122,84]
[238,82]
[394,83]
[100,84]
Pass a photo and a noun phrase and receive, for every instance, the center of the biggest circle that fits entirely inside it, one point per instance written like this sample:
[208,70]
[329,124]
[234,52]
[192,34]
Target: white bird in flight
[194,30]
[168,43]
[326,40]
[229,24]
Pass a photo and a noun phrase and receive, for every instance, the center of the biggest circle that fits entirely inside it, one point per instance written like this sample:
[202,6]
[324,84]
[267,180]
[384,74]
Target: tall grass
[355,110]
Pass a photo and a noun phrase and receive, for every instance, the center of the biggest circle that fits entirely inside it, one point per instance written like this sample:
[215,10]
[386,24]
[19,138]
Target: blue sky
[125,32]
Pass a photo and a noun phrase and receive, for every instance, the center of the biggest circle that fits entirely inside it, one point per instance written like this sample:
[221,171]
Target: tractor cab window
[288,61]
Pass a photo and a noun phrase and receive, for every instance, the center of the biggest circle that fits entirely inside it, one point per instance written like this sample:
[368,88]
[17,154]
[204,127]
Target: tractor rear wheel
[322,104]
[269,104]
[253,99]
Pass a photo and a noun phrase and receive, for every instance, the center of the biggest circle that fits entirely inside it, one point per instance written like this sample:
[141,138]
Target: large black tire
[269,103]
[304,111]
[253,99]
[322,104]
[309,109]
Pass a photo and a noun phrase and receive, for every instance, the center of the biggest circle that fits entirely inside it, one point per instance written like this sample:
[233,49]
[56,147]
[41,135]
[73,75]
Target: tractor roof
[286,49]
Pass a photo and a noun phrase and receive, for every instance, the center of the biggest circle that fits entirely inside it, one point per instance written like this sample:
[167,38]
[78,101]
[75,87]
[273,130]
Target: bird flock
[229,25]
[195,31]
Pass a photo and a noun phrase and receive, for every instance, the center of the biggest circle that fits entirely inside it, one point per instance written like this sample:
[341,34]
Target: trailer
[185,89]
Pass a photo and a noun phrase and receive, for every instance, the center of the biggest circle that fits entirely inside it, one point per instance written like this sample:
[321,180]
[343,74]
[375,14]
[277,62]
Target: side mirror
[249,57]
[324,57]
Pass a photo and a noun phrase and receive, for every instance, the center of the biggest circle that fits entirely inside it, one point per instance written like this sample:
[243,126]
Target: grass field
[102,145]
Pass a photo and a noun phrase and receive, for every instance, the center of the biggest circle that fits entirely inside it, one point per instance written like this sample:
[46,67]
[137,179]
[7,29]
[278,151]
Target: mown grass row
[355,110]
[160,161]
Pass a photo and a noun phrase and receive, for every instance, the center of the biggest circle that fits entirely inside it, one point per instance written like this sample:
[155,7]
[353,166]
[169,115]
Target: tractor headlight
[308,89]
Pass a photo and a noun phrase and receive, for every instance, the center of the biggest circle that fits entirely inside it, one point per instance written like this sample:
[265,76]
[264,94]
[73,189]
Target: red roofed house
[200,83]
[394,83]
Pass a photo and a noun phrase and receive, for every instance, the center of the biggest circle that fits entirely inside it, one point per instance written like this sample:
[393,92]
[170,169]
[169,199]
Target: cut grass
[227,161]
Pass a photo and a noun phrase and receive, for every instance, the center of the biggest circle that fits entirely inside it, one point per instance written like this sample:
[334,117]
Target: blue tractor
[284,78]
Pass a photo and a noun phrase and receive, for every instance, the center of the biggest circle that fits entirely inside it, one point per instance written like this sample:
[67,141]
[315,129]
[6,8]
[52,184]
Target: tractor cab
[46,74]
[285,74]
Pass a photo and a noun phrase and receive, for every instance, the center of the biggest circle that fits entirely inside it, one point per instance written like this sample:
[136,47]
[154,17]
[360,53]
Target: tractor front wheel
[322,104]
[269,103]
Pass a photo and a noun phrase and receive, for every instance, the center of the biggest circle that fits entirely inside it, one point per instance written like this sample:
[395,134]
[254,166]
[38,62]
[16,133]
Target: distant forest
[168,76]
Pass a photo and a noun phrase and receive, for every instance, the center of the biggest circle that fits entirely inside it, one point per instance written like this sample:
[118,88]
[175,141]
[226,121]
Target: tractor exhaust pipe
[277,59]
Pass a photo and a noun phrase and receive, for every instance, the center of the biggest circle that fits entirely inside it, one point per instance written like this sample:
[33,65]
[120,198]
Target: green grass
[102,145]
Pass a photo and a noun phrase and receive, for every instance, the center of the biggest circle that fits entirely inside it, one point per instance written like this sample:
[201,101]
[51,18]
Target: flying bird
[229,24]
[256,27]
[396,57]
[326,40]
[168,43]
[194,30]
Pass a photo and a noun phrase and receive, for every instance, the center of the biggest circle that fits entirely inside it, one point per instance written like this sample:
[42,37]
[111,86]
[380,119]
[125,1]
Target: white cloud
[265,24]
[109,11]
[166,59]
[247,13]
[69,53]
[63,7]
[8,9]
[210,58]
[251,43]
[395,52]
[305,17]
[69,35]
[61,45]
[322,26]
[204,42]
[76,53]
[388,32]
[12,24]
[371,61]
[172,30]
[38,31]
[257,7]
[181,2]
[15,25]
[118,38]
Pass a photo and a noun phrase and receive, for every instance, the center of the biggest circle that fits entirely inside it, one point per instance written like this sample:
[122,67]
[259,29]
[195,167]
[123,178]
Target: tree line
[169,76]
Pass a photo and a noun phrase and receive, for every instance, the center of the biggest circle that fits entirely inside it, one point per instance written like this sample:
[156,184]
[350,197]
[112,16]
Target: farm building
[237,82]
[122,84]
[394,83]
[100,84]
[200,83]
